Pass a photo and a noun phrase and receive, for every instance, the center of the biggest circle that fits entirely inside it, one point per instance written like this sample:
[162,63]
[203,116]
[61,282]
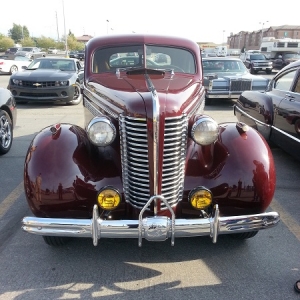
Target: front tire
[6,132]
[77,98]
[13,69]
[208,101]
[56,241]
[243,235]
[252,71]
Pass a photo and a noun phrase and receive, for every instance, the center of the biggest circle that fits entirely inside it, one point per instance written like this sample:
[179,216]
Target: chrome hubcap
[5,132]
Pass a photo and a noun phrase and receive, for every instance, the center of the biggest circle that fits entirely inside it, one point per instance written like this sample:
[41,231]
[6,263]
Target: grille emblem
[37,84]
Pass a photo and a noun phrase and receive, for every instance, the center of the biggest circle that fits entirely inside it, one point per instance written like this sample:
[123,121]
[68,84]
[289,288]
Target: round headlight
[200,198]
[205,131]
[101,131]
[109,198]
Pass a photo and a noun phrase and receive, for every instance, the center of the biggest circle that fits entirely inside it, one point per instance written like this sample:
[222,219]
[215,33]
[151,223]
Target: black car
[275,113]
[8,118]
[49,79]
[73,54]
[81,55]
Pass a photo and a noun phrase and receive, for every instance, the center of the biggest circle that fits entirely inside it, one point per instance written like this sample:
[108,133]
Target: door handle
[289,97]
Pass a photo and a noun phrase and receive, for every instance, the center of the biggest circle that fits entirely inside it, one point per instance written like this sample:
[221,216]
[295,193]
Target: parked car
[81,55]
[275,113]
[73,54]
[12,50]
[148,163]
[31,52]
[282,59]
[129,61]
[11,66]
[256,62]
[48,79]
[52,50]
[161,58]
[8,118]
[227,77]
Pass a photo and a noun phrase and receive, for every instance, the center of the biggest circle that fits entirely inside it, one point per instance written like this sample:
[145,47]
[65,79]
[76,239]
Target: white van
[221,51]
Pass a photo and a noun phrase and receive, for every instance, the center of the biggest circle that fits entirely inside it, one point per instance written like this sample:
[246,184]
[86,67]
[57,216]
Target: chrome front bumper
[157,228]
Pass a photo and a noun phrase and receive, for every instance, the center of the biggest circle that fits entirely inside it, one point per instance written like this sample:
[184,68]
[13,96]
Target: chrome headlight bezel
[94,129]
[205,131]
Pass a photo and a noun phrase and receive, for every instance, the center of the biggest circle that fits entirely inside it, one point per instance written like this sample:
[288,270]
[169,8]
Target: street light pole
[262,27]
[57,27]
[66,39]
[107,26]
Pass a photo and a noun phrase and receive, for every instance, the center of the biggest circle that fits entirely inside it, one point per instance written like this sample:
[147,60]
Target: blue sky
[201,21]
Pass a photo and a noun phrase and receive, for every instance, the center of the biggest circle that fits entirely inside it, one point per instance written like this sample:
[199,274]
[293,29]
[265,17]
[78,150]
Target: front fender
[241,173]
[63,172]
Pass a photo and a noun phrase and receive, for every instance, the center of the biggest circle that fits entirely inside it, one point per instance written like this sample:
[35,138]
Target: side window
[297,85]
[284,82]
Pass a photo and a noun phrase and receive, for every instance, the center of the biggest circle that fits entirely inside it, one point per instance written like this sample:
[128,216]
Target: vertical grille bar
[135,164]
[240,85]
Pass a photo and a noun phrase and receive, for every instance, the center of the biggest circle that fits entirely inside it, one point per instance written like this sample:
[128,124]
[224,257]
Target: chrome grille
[240,85]
[174,159]
[135,168]
[38,84]
[135,162]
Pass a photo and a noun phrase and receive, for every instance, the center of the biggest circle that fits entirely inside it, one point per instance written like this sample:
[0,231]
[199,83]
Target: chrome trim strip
[156,124]
[152,228]
[267,125]
[92,98]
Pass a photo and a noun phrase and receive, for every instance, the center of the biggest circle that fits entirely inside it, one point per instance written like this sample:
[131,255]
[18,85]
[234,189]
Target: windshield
[26,49]
[59,64]
[257,57]
[133,57]
[223,66]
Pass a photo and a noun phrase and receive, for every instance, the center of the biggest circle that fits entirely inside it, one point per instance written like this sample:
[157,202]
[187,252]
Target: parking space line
[11,199]
[286,218]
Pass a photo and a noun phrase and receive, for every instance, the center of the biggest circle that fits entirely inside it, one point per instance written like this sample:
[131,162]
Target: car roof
[56,57]
[221,58]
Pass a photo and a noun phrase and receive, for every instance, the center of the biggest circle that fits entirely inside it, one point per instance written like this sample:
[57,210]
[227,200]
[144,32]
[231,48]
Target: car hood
[134,94]
[44,74]
[259,61]
[290,60]
[23,53]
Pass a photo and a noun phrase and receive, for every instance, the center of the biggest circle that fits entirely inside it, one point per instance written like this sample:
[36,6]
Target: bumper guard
[156,228]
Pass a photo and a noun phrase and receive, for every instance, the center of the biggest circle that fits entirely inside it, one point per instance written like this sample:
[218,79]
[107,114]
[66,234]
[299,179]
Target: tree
[28,42]
[45,42]
[18,33]
[5,43]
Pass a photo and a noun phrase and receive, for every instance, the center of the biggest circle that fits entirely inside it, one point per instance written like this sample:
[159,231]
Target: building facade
[252,40]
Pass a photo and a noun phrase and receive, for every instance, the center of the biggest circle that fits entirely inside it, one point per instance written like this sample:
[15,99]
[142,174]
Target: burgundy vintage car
[149,163]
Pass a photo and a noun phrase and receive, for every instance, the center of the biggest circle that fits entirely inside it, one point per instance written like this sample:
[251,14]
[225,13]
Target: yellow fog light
[200,198]
[109,198]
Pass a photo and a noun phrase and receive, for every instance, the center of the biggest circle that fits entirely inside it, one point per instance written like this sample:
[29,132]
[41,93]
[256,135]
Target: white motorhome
[270,46]
[221,51]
